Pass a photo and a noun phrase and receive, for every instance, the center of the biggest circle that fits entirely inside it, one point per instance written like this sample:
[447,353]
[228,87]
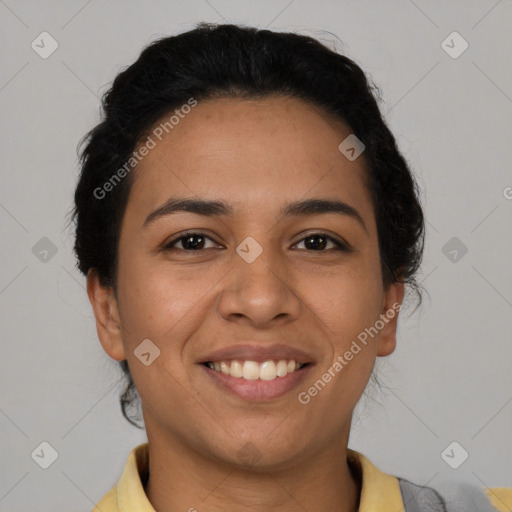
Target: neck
[180,478]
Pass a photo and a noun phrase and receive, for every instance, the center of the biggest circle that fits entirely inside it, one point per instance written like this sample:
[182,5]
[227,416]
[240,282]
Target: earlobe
[389,317]
[108,323]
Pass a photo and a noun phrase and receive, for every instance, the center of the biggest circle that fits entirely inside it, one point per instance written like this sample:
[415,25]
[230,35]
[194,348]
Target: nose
[261,293]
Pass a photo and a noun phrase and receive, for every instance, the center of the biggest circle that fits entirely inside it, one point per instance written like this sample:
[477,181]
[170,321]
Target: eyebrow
[210,208]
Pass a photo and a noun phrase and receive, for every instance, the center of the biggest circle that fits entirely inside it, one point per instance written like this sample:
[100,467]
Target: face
[256,280]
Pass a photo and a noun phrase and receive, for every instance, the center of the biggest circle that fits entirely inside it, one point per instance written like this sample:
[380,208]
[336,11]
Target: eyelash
[340,246]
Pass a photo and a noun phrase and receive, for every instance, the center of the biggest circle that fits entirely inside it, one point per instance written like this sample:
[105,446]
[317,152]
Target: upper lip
[258,353]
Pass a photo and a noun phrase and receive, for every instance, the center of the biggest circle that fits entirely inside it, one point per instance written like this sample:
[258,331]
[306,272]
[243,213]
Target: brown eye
[195,242]
[189,242]
[319,241]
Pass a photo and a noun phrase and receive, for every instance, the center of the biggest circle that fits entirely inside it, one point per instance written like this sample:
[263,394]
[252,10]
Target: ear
[389,315]
[108,323]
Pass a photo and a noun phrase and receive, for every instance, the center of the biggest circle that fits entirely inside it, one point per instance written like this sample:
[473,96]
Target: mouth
[257,372]
[253,370]
[256,382]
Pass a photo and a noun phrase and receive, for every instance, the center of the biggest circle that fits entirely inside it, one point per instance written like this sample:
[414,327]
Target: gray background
[450,377]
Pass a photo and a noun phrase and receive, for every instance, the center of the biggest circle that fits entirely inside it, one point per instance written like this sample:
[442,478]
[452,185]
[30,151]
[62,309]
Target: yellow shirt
[379,491]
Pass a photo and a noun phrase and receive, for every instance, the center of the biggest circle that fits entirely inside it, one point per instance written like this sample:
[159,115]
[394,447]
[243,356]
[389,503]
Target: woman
[248,229]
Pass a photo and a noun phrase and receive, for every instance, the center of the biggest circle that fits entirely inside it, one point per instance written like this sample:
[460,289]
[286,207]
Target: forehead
[253,154]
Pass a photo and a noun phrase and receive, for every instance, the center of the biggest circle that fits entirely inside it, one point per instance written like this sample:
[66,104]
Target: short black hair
[226,60]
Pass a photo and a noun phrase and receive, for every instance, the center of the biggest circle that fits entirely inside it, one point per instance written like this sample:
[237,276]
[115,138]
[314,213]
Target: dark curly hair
[214,61]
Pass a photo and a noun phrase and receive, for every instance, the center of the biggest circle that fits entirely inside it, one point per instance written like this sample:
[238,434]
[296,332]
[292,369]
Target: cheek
[346,301]
[347,316]
[165,306]
[158,306]
[347,309]
[151,298]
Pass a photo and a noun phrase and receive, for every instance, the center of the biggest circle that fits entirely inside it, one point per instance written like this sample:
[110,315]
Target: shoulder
[454,496]
[129,493]
[108,503]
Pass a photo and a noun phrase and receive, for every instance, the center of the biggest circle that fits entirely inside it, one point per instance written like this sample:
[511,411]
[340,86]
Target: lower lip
[258,390]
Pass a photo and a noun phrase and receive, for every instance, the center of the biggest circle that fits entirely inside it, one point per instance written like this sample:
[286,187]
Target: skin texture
[255,155]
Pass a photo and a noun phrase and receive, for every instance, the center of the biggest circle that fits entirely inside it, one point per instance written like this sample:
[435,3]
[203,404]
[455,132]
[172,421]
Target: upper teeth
[252,370]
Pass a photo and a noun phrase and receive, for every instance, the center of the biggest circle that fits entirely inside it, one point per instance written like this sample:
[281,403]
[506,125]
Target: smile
[252,370]
[256,382]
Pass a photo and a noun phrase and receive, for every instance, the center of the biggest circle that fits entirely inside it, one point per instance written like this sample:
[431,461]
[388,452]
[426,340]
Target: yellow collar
[379,491]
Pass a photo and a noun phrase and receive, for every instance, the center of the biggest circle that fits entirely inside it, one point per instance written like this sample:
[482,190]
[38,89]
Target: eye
[189,242]
[194,242]
[318,242]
